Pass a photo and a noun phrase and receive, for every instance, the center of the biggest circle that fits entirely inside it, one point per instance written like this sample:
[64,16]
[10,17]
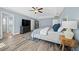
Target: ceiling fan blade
[40,9]
[33,7]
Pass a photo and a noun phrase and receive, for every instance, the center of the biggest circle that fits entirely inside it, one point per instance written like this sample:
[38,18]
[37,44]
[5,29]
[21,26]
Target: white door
[1,35]
[4,24]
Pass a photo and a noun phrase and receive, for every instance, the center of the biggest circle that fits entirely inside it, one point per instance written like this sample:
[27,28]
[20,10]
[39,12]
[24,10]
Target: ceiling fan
[36,10]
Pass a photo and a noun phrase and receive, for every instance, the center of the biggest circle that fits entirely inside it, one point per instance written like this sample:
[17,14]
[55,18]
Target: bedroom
[15,39]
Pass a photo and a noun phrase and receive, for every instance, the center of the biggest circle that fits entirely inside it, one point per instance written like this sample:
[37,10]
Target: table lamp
[69,25]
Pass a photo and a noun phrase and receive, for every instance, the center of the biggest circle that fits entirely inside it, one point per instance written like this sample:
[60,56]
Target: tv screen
[25,22]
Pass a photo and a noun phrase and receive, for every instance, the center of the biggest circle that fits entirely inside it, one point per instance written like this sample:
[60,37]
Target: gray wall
[46,22]
[71,12]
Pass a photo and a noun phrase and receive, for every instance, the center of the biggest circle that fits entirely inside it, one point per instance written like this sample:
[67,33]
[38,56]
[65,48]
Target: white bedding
[51,36]
[44,31]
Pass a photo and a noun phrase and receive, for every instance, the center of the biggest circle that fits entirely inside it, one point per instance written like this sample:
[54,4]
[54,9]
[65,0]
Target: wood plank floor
[23,42]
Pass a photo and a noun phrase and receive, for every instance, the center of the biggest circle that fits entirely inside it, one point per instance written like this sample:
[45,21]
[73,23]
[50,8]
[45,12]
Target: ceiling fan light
[36,11]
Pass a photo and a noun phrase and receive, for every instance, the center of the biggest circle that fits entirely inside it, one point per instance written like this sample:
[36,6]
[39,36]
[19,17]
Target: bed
[51,35]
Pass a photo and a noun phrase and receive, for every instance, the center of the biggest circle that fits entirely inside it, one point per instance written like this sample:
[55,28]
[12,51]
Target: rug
[3,46]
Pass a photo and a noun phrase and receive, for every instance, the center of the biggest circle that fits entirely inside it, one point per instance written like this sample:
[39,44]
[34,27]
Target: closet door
[1,26]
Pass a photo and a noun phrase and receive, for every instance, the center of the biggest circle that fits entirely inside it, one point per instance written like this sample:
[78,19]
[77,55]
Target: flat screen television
[25,22]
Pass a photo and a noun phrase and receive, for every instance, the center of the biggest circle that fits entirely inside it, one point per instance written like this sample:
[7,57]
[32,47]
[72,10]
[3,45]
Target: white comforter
[44,31]
[51,36]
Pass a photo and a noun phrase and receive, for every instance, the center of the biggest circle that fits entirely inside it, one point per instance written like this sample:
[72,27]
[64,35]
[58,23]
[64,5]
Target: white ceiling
[48,12]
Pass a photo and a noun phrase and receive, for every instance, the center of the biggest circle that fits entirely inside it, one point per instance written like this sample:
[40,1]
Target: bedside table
[67,42]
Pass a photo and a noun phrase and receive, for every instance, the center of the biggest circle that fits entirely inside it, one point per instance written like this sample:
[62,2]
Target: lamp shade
[69,24]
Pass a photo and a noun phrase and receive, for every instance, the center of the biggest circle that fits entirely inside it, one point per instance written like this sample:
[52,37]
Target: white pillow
[44,31]
[60,29]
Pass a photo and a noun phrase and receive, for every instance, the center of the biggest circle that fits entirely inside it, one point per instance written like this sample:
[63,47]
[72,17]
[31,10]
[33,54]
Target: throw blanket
[44,31]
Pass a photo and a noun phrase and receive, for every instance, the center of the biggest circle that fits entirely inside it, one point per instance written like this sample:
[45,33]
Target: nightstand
[67,42]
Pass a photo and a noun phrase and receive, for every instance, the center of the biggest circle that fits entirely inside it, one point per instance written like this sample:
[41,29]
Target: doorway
[7,24]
